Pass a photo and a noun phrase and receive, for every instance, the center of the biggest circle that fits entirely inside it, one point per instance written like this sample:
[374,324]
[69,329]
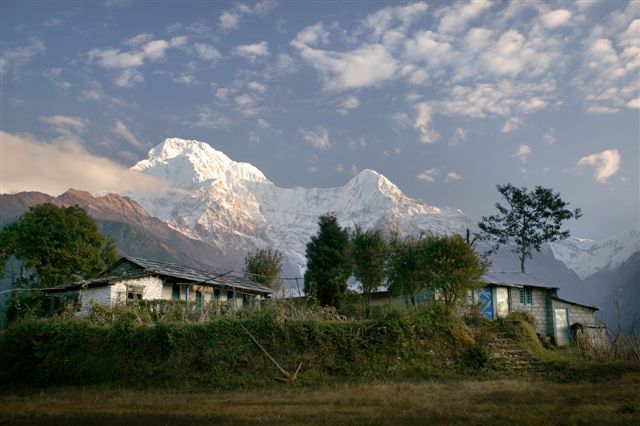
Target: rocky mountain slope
[135,231]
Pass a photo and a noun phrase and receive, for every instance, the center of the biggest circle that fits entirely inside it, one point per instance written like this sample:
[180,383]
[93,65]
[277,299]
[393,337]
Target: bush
[219,353]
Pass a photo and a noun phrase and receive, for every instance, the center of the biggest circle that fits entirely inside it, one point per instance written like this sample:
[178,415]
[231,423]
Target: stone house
[506,292]
[132,278]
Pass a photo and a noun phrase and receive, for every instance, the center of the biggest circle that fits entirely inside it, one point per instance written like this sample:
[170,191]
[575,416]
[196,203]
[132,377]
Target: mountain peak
[185,163]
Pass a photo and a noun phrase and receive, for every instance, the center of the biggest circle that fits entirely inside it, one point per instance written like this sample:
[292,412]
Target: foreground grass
[495,402]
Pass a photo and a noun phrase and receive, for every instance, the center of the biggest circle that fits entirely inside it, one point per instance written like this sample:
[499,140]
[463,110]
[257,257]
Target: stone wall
[540,308]
[577,313]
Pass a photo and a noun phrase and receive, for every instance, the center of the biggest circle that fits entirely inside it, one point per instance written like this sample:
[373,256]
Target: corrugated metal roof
[212,276]
[513,279]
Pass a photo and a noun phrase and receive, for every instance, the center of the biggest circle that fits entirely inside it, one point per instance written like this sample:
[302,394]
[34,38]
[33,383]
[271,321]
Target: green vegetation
[264,266]
[398,344]
[529,219]
[59,243]
[328,263]
[369,252]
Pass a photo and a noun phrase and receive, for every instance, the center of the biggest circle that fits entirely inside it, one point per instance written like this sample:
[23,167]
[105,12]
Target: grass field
[488,402]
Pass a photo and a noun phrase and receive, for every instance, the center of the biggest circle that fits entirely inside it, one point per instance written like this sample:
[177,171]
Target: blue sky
[445,99]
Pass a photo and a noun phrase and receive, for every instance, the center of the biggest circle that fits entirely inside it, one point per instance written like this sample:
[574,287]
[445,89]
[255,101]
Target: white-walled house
[506,292]
[132,278]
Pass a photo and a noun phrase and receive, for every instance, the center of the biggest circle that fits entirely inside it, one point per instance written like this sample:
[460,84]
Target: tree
[264,266]
[405,269]
[60,244]
[328,262]
[369,252]
[451,267]
[528,219]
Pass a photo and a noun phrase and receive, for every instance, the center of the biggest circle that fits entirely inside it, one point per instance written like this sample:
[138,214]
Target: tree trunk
[522,258]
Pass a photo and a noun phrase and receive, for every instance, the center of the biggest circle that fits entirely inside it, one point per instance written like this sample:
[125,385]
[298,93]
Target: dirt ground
[489,402]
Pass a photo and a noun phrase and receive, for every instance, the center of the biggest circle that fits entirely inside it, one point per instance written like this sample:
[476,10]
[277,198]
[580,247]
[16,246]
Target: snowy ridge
[587,257]
[234,207]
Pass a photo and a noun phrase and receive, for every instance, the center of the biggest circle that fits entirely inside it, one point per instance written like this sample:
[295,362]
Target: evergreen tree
[369,252]
[328,262]
[529,219]
[264,266]
[60,244]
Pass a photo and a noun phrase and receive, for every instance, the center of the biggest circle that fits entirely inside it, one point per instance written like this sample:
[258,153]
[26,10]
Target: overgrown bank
[399,344]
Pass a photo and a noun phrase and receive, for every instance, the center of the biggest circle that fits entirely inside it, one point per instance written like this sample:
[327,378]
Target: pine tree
[328,263]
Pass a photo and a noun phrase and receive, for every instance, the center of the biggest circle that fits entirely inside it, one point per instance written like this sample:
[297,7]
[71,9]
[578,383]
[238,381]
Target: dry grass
[495,402]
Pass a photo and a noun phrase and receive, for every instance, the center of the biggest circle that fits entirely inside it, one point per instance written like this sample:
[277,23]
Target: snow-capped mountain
[586,257]
[234,207]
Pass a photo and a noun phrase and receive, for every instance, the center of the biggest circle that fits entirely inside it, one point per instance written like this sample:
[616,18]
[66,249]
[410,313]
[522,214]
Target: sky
[446,99]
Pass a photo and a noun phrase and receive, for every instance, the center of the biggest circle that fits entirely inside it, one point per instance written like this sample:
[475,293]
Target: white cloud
[257,87]
[12,59]
[459,136]
[223,93]
[139,39]
[340,168]
[511,124]
[367,65]
[357,143]
[634,103]
[456,18]
[522,153]
[354,169]
[318,137]
[429,175]
[263,124]
[64,124]
[230,19]
[348,104]
[550,136]
[252,51]
[451,177]
[28,164]
[599,110]
[401,119]
[121,130]
[211,119]
[422,123]
[126,63]
[607,164]
[206,52]
[392,20]
[556,18]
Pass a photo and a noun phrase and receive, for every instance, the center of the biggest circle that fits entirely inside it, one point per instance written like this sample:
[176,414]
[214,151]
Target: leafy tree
[451,267]
[369,253]
[328,262]
[529,219]
[405,269]
[264,266]
[60,244]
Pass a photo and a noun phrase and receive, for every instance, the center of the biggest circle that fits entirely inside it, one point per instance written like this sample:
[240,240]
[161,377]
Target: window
[526,296]
[216,294]
[198,299]
[231,295]
[134,292]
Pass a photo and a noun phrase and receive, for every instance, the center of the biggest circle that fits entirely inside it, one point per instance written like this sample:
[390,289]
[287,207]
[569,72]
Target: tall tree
[60,244]
[328,262]
[451,267]
[369,253]
[264,266]
[405,269]
[528,219]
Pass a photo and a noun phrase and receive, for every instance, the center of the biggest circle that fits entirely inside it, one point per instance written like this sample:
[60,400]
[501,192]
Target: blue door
[484,294]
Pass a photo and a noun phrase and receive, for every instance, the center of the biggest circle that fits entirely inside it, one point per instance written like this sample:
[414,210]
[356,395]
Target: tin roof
[134,267]
[513,279]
